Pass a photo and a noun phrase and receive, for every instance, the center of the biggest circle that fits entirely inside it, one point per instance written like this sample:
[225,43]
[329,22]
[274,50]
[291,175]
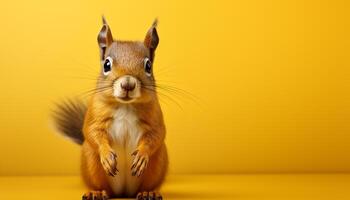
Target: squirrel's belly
[125,134]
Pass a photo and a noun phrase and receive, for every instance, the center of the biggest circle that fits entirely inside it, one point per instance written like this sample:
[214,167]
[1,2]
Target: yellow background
[266,82]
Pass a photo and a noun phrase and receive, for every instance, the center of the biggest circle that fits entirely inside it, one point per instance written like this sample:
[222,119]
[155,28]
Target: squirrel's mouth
[125,99]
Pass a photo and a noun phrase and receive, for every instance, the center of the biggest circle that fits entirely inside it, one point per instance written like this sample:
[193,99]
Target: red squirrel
[121,129]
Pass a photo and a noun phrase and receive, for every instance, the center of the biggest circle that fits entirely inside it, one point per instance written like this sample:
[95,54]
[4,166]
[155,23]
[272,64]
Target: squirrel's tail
[69,119]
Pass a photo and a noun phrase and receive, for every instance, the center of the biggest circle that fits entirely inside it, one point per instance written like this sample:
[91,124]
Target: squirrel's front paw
[140,162]
[109,161]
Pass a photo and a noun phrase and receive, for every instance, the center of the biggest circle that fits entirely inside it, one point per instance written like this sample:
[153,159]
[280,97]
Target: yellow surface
[191,187]
[270,80]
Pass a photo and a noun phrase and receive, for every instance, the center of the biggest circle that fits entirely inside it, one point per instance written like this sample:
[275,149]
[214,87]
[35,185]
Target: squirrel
[121,128]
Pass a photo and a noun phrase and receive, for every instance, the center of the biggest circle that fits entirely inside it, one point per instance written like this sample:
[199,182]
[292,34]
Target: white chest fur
[125,133]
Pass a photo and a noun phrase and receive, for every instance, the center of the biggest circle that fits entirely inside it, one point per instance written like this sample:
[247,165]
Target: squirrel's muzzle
[126,88]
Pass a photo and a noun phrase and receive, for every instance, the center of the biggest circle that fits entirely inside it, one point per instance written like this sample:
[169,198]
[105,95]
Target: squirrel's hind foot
[149,196]
[95,195]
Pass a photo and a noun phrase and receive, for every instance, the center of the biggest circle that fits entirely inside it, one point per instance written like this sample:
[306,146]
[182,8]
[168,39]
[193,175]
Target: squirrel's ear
[151,40]
[104,38]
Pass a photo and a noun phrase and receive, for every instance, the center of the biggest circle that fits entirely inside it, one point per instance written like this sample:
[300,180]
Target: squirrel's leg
[154,175]
[94,175]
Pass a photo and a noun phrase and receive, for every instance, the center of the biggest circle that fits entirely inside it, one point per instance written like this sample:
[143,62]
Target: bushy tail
[68,118]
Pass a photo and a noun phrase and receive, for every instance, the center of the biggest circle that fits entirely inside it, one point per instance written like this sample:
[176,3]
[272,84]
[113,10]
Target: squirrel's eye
[107,66]
[148,66]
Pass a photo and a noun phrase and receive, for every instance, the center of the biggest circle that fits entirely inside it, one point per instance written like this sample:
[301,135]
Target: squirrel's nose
[128,85]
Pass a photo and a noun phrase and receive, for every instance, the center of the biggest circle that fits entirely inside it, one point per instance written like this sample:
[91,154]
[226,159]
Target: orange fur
[98,157]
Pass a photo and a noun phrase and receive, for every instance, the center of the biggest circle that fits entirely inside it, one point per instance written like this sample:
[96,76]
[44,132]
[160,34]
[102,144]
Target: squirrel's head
[127,67]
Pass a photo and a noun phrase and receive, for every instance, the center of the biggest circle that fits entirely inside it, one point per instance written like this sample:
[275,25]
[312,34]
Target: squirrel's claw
[139,164]
[149,195]
[109,162]
[95,195]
